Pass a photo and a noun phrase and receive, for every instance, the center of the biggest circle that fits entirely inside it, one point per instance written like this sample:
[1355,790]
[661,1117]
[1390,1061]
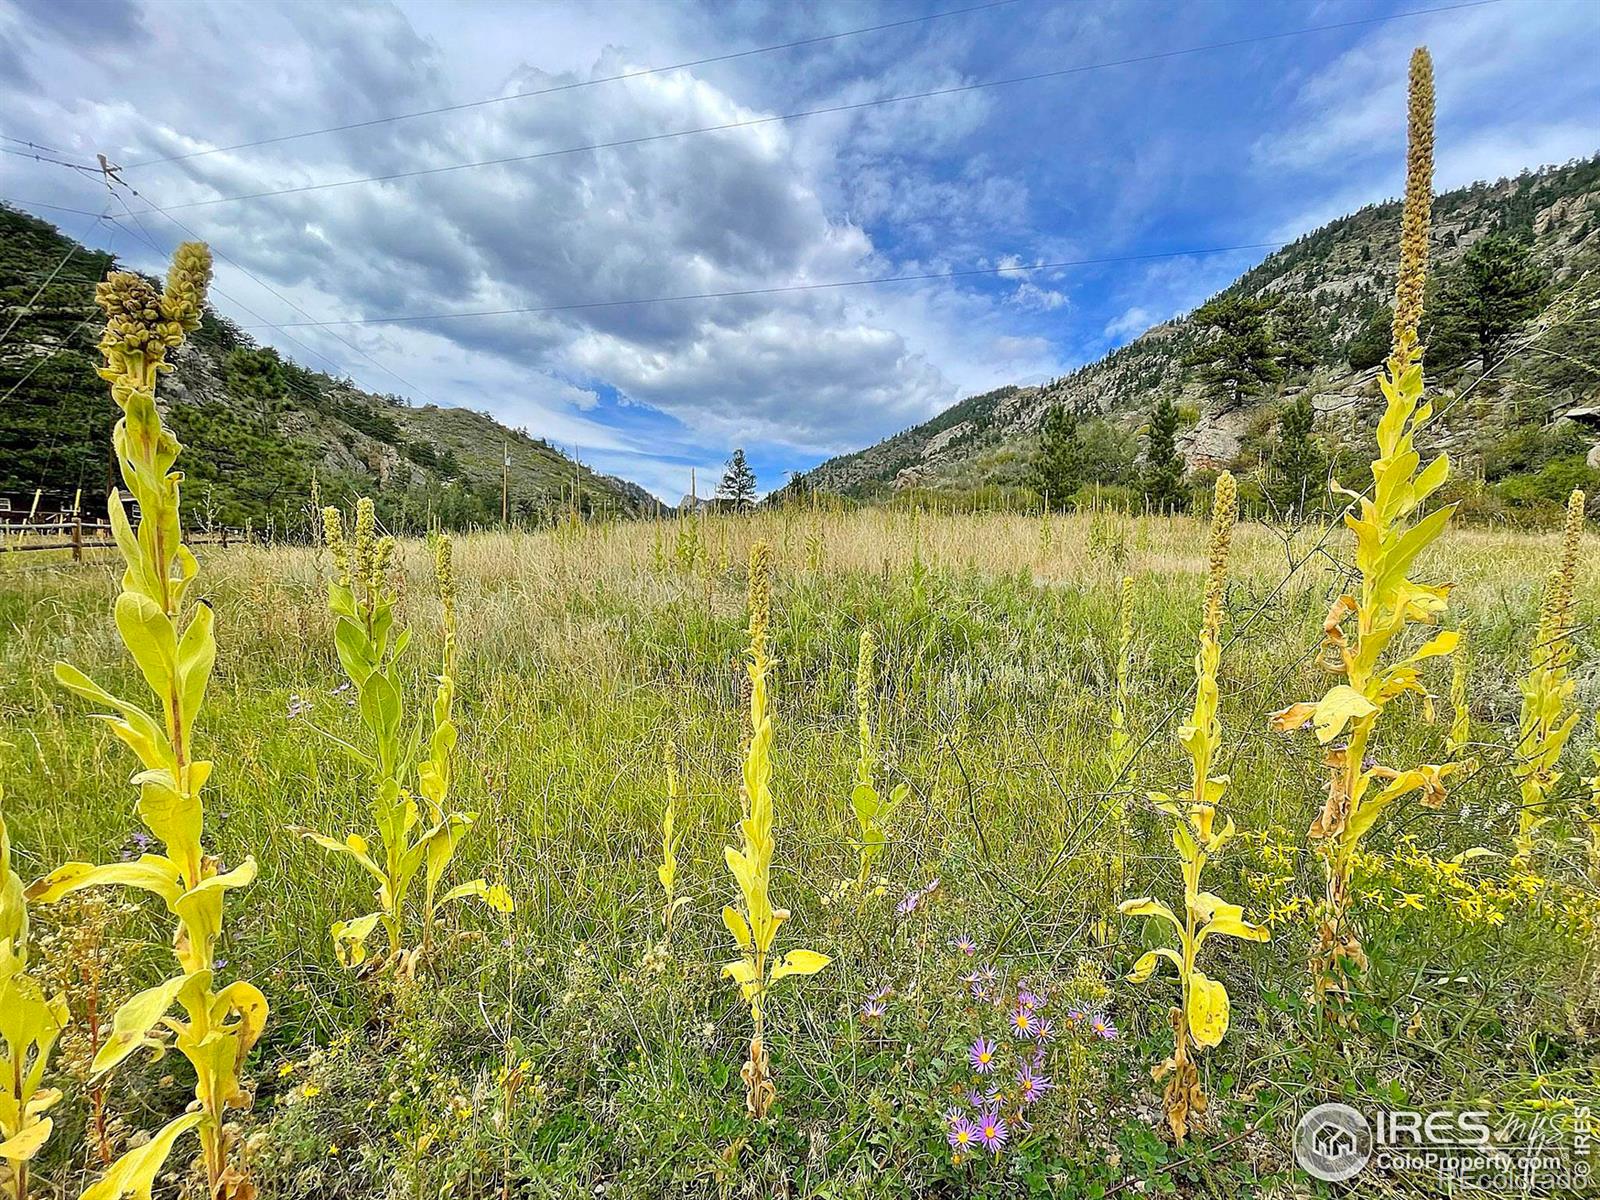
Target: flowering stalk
[1461,714]
[667,869]
[1547,689]
[413,838]
[30,1023]
[751,863]
[1119,714]
[175,657]
[872,811]
[1201,1017]
[1387,545]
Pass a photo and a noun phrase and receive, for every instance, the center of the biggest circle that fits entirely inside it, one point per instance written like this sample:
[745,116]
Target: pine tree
[1480,304]
[738,486]
[1058,467]
[1236,356]
[1370,345]
[1163,465]
[1300,341]
[1297,461]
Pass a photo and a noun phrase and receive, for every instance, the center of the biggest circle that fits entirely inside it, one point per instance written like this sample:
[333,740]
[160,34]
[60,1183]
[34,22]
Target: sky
[1163,135]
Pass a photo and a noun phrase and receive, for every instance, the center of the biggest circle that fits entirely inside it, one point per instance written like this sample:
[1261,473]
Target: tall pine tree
[1163,465]
[1236,355]
[1297,460]
[738,486]
[1058,466]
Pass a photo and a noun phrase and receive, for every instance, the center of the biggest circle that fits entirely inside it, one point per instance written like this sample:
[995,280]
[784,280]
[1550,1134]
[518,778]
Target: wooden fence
[73,533]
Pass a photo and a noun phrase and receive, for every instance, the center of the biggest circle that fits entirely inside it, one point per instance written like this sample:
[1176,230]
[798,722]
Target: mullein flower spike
[1388,542]
[872,810]
[174,647]
[1546,722]
[414,838]
[31,1023]
[1201,1017]
[755,927]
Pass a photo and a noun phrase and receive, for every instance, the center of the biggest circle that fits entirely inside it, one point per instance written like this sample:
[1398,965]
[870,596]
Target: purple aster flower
[873,1010]
[909,905]
[882,993]
[1103,1027]
[988,974]
[1043,1031]
[1029,999]
[966,945]
[1023,1023]
[963,1135]
[1075,1015]
[982,1056]
[992,1130]
[1032,1086]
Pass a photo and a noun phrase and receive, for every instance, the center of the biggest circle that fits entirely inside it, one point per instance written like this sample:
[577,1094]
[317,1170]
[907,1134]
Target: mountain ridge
[1344,269]
[263,435]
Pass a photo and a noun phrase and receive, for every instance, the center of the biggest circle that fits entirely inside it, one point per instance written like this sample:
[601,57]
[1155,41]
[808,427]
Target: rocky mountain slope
[1345,273]
[261,433]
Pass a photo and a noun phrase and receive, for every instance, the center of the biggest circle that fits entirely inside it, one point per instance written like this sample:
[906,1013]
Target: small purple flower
[1102,1026]
[1032,1086]
[1075,1015]
[873,1010]
[963,1135]
[982,1056]
[966,945]
[142,842]
[882,993]
[992,1130]
[1028,999]
[1043,1031]
[909,905]
[1023,1023]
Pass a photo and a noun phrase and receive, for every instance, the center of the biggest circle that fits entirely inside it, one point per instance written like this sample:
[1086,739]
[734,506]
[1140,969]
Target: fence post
[77,539]
[224,537]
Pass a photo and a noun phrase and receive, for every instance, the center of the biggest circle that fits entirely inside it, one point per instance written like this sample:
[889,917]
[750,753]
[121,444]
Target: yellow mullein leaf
[734,920]
[1146,966]
[133,1022]
[1145,906]
[800,962]
[1338,708]
[134,1174]
[28,1142]
[1207,1010]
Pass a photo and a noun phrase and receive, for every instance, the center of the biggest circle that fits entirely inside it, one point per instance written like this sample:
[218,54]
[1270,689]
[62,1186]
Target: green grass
[584,649]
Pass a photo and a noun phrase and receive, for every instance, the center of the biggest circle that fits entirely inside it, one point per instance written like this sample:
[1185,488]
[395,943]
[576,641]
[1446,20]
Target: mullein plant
[756,927]
[1201,1016]
[1119,714]
[872,810]
[413,838]
[30,1023]
[1460,711]
[667,868]
[173,645]
[1387,543]
[1546,722]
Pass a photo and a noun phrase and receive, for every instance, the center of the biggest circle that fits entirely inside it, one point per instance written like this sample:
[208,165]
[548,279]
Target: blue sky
[1243,144]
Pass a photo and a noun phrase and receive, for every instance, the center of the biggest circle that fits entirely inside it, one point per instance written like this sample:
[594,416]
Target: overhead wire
[849,106]
[573,86]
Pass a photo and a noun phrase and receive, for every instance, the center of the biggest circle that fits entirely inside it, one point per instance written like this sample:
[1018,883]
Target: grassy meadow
[572,1048]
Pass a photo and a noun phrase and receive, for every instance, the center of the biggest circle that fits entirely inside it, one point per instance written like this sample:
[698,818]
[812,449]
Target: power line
[72,249]
[65,343]
[55,162]
[567,87]
[26,204]
[852,106]
[309,319]
[797,287]
[31,145]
